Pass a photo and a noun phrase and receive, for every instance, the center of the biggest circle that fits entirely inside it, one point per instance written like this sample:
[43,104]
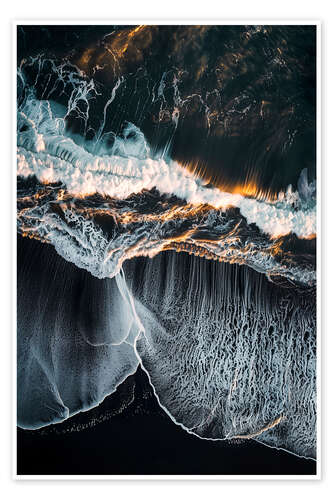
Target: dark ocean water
[243,97]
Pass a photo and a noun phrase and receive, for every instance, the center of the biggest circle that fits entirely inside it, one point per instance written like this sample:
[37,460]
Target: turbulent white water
[53,157]
[46,153]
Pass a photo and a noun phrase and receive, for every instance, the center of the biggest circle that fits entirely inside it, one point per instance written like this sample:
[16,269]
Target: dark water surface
[235,102]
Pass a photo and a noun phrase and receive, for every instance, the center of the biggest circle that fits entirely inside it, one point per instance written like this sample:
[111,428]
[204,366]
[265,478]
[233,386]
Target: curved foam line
[119,177]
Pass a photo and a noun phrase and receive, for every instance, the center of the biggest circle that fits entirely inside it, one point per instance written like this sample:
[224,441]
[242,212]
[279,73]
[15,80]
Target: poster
[166,251]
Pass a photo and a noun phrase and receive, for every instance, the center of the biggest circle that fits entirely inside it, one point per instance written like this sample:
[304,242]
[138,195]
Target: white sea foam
[227,360]
[52,157]
[64,365]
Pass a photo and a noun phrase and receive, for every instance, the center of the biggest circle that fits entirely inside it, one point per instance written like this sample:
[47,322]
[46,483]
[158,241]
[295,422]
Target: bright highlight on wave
[52,157]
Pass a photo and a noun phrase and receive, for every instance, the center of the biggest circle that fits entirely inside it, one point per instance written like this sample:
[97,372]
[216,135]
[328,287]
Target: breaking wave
[128,169]
[173,207]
